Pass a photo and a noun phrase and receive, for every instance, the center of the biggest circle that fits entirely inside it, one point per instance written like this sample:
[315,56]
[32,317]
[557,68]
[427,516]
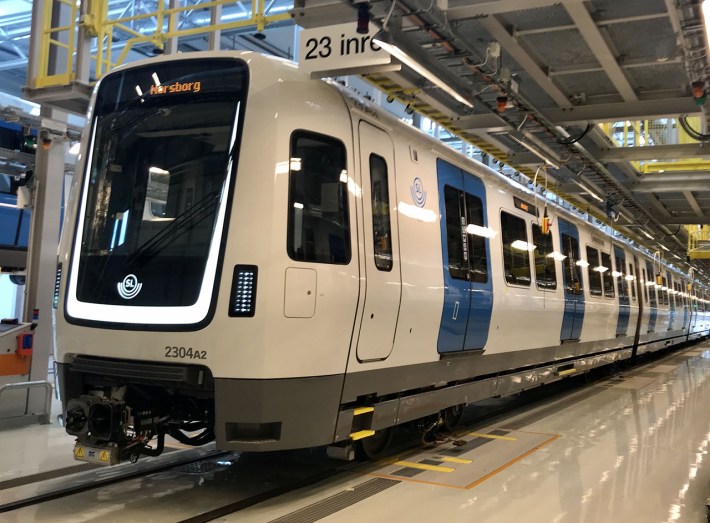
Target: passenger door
[622,323]
[468,290]
[573,317]
[383,286]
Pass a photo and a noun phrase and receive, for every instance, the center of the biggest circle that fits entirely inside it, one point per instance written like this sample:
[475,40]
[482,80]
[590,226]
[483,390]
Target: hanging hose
[574,139]
[695,135]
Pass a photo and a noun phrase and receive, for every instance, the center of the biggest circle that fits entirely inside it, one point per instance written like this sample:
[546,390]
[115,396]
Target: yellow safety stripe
[492,436]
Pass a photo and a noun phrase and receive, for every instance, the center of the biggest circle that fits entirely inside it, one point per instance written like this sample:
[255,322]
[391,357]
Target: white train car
[276,263]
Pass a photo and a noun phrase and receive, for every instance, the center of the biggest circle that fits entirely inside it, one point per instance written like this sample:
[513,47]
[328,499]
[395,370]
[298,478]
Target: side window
[571,264]
[621,283]
[455,233]
[318,223]
[632,281]
[644,284]
[651,286]
[594,272]
[468,256]
[478,253]
[545,275]
[516,253]
[664,293]
[381,228]
[606,275]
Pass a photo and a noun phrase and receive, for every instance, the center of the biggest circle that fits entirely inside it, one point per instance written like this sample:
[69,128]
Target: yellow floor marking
[363,410]
[423,466]
[512,462]
[492,436]
[454,460]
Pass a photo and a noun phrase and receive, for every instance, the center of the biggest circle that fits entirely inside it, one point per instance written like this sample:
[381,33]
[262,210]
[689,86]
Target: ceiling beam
[653,152]
[659,183]
[521,56]
[614,112]
[462,9]
[591,34]
[693,202]
[686,220]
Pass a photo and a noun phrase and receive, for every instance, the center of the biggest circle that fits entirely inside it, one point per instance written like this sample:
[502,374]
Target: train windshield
[164,143]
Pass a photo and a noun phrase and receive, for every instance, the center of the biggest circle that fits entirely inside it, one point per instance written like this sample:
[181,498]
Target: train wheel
[452,417]
[375,446]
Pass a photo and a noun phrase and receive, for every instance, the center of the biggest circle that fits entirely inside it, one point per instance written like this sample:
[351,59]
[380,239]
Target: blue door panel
[653,307]
[573,318]
[481,303]
[457,296]
[468,306]
[622,322]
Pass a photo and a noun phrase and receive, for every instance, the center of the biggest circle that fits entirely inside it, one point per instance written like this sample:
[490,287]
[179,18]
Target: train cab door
[573,317]
[468,290]
[622,323]
[383,288]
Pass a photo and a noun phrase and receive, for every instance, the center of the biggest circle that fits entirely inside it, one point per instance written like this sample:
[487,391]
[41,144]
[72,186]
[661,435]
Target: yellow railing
[102,30]
[646,133]
[698,241]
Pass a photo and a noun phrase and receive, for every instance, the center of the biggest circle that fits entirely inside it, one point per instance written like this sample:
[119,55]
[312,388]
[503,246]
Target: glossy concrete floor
[630,448]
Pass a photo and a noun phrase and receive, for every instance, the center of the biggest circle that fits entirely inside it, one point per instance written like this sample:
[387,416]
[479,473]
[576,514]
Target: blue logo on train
[418,192]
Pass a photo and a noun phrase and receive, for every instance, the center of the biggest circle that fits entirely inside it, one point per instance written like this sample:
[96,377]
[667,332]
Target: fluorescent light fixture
[601,269]
[589,191]
[297,205]
[647,235]
[582,263]
[139,90]
[557,256]
[520,138]
[344,176]
[157,170]
[523,246]
[664,247]
[420,69]
[477,230]
[706,18]
[418,213]
[630,278]
[295,164]
[156,79]
[615,274]
[650,283]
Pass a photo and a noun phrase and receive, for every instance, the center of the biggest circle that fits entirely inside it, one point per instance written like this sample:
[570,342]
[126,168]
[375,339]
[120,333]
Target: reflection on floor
[630,448]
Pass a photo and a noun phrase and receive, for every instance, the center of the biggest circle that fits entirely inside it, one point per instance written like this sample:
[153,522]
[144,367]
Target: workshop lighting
[647,235]
[523,245]
[416,66]
[520,138]
[706,17]
[589,191]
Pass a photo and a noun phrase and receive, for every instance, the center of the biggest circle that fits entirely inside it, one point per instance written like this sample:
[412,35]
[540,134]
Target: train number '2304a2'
[182,352]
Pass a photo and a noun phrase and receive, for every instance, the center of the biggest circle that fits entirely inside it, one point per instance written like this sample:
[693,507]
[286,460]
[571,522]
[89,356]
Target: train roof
[272,69]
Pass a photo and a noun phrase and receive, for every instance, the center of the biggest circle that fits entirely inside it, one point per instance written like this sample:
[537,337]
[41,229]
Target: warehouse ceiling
[541,76]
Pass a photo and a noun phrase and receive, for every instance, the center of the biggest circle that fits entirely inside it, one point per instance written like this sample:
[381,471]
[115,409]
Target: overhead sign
[339,49]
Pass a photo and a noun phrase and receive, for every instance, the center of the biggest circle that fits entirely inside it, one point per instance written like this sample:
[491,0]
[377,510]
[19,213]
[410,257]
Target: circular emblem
[418,192]
[129,287]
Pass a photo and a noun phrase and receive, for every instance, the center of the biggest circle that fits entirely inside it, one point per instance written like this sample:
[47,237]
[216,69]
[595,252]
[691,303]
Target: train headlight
[242,300]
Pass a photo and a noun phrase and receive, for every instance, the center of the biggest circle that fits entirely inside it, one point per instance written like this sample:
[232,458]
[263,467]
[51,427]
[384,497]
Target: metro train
[274,262]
